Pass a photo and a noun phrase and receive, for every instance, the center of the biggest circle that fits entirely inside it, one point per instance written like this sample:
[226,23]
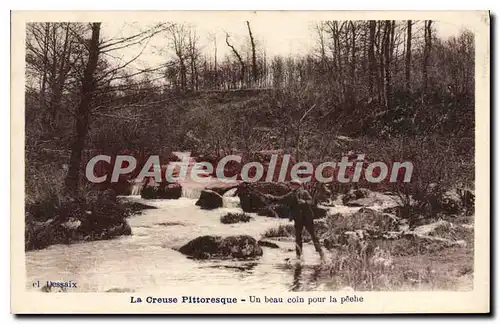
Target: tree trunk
[339,70]
[83,112]
[393,43]
[215,61]
[371,57]
[53,76]
[193,76]
[254,57]
[352,95]
[408,56]
[390,26]
[60,81]
[183,73]
[380,55]
[242,64]
[427,49]
[385,60]
[45,68]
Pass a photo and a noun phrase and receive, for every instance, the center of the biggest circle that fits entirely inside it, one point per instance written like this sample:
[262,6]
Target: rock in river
[168,191]
[209,200]
[206,247]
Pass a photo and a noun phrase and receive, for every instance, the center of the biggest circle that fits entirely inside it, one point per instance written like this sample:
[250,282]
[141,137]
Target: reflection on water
[244,267]
[297,278]
[148,260]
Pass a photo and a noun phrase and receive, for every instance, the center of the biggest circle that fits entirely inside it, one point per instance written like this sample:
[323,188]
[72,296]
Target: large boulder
[366,198]
[252,202]
[428,229]
[446,230]
[207,247]
[363,198]
[414,244]
[468,198]
[39,235]
[97,217]
[168,191]
[209,200]
[274,210]
[241,246]
[355,194]
[453,201]
[370,220]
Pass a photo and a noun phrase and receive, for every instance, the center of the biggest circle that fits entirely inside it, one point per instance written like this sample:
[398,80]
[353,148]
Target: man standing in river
[300,204]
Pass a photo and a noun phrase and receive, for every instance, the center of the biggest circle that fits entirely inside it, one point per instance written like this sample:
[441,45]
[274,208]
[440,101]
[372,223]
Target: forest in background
[394,86]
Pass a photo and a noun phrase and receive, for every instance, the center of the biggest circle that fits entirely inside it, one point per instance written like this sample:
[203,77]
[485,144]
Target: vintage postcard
[265,162]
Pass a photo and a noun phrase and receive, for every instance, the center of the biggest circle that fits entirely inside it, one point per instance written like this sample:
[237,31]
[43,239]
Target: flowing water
[148,260]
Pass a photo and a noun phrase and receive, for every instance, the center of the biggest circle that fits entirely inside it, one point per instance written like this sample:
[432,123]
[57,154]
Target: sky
[289,36]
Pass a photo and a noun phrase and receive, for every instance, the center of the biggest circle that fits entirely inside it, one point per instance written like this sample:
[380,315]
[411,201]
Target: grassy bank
[371,250]
[97,216]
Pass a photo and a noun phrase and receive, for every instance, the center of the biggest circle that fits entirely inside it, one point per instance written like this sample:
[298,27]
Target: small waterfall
[230,200]
[230,193]
[136,189]
[190,192]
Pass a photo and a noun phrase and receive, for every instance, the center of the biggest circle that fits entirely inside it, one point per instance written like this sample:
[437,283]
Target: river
[148,261]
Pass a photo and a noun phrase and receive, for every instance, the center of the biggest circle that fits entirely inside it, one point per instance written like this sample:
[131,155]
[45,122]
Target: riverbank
[149,259]
[100,216]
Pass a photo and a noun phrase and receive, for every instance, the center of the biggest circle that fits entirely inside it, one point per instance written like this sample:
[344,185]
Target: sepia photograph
[250,158]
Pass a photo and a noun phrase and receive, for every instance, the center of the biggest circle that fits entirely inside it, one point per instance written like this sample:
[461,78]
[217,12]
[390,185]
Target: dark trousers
[305,220]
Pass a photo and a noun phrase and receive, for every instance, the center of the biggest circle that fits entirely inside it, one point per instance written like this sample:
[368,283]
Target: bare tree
[320,32]
[52,53]
[179,41]
[427,50]
[352,95]
[83,112]
[238,56]
[371,57]
[98,74]
[193,58]
[408,55]
[386,43]
[254,57]
[215,83]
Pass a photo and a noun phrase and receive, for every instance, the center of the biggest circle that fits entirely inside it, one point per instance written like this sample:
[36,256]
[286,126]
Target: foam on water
[148,260]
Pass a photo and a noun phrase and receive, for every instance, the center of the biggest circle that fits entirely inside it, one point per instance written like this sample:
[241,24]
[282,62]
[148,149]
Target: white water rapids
[148,260]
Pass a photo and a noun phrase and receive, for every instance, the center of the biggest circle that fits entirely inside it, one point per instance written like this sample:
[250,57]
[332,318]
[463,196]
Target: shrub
[281,231]
[233,218]
[348,269]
